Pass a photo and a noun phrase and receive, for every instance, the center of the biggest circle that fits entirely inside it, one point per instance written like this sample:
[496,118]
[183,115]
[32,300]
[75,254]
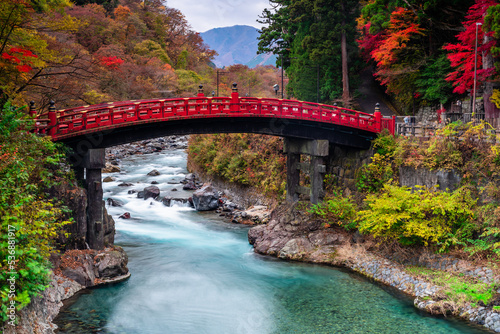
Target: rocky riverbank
[292,234]
[73,271]
[235,204]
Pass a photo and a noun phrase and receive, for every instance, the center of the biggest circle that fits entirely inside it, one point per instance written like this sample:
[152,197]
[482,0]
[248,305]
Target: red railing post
[52,118]
[393,125]
[378,118]
[32,109]
[200,91]
[235,99]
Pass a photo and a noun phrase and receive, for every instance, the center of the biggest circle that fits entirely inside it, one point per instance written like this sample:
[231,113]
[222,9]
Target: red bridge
[120,122]
[308,128]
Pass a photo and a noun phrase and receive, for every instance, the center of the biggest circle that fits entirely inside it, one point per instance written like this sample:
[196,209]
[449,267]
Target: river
[194,273]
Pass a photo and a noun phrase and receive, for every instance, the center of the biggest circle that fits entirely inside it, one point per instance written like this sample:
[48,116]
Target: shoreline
[305,241]
[296,238]
[291,236]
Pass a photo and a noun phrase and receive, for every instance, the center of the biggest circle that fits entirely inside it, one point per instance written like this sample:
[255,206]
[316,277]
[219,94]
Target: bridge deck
[65,124]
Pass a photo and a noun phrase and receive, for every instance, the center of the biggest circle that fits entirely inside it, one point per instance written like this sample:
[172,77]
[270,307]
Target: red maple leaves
[20,57]
[461,55]
[111,62]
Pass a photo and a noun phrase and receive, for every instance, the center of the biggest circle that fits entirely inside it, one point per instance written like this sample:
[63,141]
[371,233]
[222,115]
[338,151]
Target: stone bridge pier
[89,172]
[316,168]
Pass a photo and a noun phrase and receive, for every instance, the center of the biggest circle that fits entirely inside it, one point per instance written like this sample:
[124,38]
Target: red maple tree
[461,55]
[19,57]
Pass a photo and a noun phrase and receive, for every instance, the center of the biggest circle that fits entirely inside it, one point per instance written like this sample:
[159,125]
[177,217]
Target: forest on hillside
[420,51]
[93,51]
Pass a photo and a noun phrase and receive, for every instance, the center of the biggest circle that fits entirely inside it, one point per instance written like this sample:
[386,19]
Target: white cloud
[204,15]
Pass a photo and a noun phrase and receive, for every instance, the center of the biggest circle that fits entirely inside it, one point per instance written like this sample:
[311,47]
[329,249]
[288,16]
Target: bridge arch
[308,128]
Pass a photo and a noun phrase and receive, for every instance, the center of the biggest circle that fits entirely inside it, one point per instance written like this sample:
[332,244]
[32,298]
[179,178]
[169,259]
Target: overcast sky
[204,15]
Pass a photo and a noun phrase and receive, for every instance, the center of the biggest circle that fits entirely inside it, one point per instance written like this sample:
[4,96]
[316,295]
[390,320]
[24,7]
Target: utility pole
[282,86]
[475,74]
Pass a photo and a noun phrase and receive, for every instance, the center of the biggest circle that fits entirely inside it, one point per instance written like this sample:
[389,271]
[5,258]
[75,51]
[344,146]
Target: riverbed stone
[154,172]
[206,198]
[125,215]
[190,185]
[114,202]
[151,192]
[110,168]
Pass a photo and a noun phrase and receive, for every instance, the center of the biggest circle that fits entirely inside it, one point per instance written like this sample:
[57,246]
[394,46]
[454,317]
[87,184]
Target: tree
[404,38]
[463,55]
[23,40]
[316,40]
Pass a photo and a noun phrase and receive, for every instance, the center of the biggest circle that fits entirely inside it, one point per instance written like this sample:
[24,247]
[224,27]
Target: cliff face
[75,198]
[77,267]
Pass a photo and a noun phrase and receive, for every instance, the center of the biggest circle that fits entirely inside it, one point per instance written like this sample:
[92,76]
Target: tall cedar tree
[316,40]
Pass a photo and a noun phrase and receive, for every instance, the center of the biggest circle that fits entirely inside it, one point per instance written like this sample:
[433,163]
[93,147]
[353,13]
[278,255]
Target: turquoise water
[193,273]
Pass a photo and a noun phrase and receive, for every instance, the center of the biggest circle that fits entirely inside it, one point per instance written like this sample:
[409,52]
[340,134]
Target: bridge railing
[73,121]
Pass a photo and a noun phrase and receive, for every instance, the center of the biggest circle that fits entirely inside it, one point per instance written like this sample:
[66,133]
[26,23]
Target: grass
[456,287]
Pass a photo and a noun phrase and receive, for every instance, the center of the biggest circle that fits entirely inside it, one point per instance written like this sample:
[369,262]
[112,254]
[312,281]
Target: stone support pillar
[292,176]
[94,161]
[317,149]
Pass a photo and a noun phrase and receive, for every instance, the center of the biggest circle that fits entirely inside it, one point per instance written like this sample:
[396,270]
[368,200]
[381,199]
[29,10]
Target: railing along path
[67,123]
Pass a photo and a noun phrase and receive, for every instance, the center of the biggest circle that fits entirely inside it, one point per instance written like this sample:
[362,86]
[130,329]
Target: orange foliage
[122,12]
[402,27]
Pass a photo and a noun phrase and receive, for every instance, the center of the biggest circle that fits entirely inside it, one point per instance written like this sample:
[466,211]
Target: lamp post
[475,73]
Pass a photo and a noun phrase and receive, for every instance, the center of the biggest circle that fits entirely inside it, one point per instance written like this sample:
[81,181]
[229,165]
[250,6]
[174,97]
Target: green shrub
[372,177]
[385,144]
[421,217]
[29,221]
[336,210]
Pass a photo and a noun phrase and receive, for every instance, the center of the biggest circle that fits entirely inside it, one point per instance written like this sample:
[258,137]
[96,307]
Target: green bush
[421,217]
[336,210]
[372,177]
[29,221]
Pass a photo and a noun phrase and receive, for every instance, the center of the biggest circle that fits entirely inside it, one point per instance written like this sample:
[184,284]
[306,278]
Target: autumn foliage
[461,54]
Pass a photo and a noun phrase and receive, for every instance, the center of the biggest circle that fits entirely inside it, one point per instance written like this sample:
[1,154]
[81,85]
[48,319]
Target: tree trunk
[345,69]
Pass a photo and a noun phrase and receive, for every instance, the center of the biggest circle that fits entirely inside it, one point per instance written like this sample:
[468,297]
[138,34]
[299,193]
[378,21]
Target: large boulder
[151,192]
[206,198]
[111,263]
[79,266]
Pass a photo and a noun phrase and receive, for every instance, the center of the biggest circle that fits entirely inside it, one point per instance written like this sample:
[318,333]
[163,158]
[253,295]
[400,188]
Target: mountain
[236,45]
[262,60]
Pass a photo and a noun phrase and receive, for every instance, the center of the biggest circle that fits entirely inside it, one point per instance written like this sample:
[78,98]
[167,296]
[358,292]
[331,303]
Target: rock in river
[206,198]
[151,192]
[154,172]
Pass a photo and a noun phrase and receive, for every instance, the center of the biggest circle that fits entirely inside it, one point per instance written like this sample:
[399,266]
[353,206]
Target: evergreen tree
[316,39]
